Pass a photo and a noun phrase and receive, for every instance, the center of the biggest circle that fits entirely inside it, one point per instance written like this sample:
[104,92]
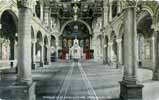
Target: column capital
[23,4]
[118,40]
[41,44]
[110,43]
[33,41]
[130,4]
[153,38]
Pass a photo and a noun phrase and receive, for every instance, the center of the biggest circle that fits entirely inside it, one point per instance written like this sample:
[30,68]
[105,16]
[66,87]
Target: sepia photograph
[79,49]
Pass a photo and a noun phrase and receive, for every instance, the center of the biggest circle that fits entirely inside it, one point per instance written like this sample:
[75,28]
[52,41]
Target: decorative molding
[23,4]
[129,3]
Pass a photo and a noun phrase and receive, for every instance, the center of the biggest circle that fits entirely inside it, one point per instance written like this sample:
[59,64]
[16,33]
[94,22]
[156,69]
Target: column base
[19,91]
[130,91]
[155,76]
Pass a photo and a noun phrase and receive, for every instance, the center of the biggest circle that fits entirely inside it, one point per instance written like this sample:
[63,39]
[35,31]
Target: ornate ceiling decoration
[64,9]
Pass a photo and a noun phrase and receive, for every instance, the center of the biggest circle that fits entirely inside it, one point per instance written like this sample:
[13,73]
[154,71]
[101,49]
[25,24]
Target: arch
[148,9]
[53,41]
[15,18]
[70,21]
[46,40]
[112,36]
[39,37]
[144,23]
[157,15]
[9,22]
[143,14]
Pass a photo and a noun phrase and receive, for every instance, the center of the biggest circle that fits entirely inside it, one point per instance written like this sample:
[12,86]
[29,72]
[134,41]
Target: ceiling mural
[76,29]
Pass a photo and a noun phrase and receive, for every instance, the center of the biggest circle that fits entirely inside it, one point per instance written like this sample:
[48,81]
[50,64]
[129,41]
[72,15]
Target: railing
[7,64]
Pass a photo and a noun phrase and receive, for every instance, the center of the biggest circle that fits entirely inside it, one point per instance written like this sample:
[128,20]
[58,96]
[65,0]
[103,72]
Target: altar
[80,32]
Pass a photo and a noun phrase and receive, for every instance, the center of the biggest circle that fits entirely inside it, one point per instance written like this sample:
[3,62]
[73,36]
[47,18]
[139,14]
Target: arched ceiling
[76,29]
[144,25]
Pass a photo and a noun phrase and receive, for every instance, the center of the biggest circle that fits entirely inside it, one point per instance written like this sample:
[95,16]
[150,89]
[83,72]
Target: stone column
[155,56]
[101,47]
[34,54]
[24,89]
[41,12]
[46,15]
[110,12]
[119,8]
[119,52]
[110,48]
[49,53]
[105,54]
[106,14]
[41,55]
[57,47]
[129,89]
[24,44]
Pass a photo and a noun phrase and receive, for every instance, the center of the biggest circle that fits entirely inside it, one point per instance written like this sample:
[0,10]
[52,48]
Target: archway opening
[32,48]
[8,36]
[106,49]
[53,49]
[39,49]
[76,30]
[145,32]
[45,50]
[114,48]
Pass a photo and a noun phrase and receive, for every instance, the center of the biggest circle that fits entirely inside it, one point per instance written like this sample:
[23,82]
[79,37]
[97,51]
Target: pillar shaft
[57,47]
[119,7]
[106,14]
[154,50]
[119,52]
[129,89]
[129,45]
[49,52]
[41,55]
[110,48]
[41,12]
[33,54]
[155,57]
[110,12]
[24,42]
[46,15]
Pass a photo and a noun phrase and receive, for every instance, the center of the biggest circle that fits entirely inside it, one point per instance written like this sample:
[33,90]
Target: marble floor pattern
[84,81]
